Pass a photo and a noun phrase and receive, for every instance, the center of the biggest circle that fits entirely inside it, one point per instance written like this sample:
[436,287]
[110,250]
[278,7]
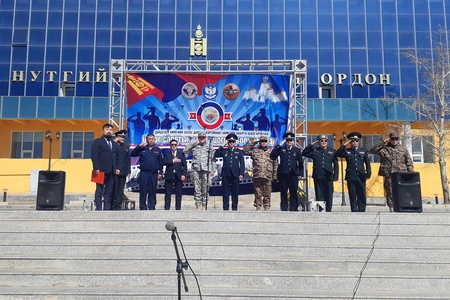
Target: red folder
[98,178]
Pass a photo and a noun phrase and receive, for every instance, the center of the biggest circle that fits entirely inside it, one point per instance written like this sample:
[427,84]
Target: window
[27,144]
[76,144]
[422,149]
[326,91]
[67,89]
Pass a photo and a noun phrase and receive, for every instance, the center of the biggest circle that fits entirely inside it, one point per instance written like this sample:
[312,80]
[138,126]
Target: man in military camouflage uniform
[203,166]
[264,171]
[394,158]
[325,169]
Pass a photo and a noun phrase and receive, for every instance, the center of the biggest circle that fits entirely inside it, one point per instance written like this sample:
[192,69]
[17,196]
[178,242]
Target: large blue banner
[178,106]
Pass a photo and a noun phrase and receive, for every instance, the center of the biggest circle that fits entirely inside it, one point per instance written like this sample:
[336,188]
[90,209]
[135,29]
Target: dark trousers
[357,195]
[119,185]
[105,191]
[288,182]
[173,185]
[324,192]
[230,185]
[147,187]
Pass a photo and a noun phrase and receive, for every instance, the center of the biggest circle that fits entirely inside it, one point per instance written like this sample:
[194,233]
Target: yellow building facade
[16,174]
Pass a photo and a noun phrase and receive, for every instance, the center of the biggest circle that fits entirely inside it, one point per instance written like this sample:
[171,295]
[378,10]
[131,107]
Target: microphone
[171,226]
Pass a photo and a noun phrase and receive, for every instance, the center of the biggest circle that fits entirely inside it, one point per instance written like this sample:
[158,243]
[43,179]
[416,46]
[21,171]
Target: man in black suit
[233,168]
[290,170]
[175,174]
[104,159]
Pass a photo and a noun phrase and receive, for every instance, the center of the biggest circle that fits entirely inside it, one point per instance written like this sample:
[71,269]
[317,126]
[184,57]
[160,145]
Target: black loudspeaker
[50,192]
[406,192]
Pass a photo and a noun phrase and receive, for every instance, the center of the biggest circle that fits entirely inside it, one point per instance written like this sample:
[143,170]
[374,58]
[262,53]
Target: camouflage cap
[394,135]
[263,137]
[202,133]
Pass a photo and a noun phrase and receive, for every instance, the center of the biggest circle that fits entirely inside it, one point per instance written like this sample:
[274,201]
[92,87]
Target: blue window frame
[26,144]
[76,144]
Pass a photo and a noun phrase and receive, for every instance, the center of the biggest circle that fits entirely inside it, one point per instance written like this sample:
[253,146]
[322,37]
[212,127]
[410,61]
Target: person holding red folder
[104,159]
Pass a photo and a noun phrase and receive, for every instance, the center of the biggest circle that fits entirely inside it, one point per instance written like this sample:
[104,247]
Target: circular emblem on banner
[231,91]
[189,91]
[210,115]
[210,91]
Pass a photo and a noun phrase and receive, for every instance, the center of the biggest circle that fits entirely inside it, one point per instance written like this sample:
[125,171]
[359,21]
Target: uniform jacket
[102,157]
[393,158]
[150,160]
[263,166]
[358,163]
[123,160]
[325,164]
[290,160]
[174,170]
[232,161]
[200,155]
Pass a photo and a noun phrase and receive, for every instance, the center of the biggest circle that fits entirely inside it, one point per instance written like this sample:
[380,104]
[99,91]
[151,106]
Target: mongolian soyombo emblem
[198,44]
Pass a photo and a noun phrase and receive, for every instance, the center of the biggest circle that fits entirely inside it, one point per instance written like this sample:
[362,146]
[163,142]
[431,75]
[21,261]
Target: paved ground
[76,201]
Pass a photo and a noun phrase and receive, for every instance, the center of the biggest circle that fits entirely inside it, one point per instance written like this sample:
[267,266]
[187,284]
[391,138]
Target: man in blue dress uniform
[150,161]
[290,170]
[233,168]
[356,174]
[325,169]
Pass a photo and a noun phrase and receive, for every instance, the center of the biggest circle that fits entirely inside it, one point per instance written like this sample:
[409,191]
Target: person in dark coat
[357,172]
[150,164]
[123,169]
[175,175]
[290,170]
[233,168]
[325,169]
[104,159]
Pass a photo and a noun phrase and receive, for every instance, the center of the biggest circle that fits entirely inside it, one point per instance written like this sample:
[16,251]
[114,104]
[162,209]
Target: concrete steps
[235,255]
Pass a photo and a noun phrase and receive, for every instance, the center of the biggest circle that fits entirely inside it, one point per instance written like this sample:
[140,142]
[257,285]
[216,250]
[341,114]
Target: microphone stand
[180,266]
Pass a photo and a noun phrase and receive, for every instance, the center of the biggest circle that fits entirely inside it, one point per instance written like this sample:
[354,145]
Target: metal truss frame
[298,109]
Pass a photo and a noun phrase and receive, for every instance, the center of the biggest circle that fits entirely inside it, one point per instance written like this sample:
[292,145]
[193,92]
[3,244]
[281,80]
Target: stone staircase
[235,255]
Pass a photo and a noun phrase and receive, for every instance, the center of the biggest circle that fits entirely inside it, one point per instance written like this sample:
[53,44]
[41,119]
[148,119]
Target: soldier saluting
[264,171]
[290,170]
[203,166]
[394,158]
[325,169]
[233,169]
[357,172]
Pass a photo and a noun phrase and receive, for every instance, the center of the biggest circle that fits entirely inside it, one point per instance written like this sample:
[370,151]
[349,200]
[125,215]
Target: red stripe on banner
[138,88]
